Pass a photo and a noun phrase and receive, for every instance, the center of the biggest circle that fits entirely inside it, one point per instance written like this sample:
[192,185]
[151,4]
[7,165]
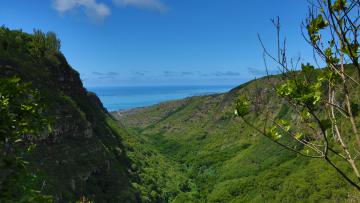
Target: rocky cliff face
[81,156]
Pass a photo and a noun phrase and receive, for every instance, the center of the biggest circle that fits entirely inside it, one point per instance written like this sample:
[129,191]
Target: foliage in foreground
[324,102]
[74,160]
[22,119]
[224,159]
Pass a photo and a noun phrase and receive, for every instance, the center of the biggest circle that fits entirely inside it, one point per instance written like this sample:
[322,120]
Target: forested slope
[190,150]
[80,157]
[224,159]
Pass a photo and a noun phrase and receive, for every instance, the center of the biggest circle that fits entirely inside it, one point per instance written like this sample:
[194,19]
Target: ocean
[123,98]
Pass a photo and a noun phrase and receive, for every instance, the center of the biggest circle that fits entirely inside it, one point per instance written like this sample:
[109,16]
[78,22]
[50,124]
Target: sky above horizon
[163,42]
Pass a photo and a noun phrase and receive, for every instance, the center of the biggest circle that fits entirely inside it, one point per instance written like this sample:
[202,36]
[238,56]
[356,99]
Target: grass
[226,160]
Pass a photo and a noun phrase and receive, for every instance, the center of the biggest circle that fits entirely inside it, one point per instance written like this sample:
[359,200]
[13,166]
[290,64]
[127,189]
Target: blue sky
[163,42]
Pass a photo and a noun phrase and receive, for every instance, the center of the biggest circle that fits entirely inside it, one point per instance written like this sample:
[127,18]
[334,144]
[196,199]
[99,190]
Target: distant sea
[123,98]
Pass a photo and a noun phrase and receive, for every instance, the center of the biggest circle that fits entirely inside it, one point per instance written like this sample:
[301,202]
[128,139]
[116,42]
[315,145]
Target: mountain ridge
[189,150]
[227,161]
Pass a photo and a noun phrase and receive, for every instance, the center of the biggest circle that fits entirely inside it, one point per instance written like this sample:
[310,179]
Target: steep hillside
[190,150]
[82,157]
[225,160]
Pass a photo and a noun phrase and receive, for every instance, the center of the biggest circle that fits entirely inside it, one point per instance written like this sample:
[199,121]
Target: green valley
[189,150]
[153,134]
[223,159]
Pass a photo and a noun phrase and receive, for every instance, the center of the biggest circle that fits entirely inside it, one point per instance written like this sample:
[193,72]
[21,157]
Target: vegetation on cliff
[291,137]
[75,154]
[297,136]
[225,160]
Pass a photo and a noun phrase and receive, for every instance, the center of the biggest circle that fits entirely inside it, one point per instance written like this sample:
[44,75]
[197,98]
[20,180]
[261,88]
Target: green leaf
[299,135]
[339,5]
[31,147]
[314,26]
[352,50]
[242,107]
[273,133]
[18,140]
[15,80]
[284,124]
[330,58]
[305,114]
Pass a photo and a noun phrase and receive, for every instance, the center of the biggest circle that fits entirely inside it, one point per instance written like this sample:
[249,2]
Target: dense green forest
[191,150]
[56,145]
[291,137]
[222,158]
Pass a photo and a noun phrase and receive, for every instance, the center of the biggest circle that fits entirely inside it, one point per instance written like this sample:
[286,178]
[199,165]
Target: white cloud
[95,10]
[154,5]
